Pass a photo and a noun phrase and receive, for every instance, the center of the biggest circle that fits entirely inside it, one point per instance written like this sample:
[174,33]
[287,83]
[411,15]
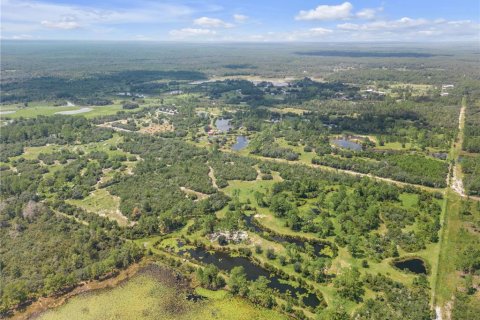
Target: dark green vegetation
[471,145]
[341,179]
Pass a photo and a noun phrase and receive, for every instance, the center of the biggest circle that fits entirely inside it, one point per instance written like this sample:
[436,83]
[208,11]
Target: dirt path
[456,182]
[109,125]
[259,173]
[211,174]
[350,172]
[456,177]
[200,196]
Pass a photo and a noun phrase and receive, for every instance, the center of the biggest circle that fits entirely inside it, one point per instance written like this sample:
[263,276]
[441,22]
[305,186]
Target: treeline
[48,130]
[471,142]
[471,171]
[94,86]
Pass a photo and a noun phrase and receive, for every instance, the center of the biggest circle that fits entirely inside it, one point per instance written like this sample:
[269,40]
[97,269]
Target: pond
[223,125]
[414,265]
[347,144]
[225,262]
[257,228]
[242,143]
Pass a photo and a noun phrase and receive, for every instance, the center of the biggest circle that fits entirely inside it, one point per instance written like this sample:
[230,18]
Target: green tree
[237,282]
[349,284]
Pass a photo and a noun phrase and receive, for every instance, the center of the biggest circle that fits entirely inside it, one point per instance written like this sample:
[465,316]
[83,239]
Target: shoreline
[43,304]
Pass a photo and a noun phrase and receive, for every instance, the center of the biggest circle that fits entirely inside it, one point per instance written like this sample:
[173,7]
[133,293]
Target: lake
[225,262]
[347,144]
[242,143]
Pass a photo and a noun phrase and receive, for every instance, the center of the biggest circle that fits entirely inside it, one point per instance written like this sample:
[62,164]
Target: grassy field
[43,108]
[144,297]
[102,203]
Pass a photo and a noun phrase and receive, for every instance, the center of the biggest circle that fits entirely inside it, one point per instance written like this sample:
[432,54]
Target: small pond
[223,125]
[347,144]
[225,262]
[242,143]
[414,265]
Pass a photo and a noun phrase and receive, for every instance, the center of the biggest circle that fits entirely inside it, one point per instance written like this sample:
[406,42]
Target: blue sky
[245,20]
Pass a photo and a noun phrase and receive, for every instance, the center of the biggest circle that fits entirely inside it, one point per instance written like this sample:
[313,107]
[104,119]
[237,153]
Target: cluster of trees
[358,206]
[168,165]
[307,89]
[471,142]
[411,168]
[471,170]
[231,167]
[256,291]
[48,130]
[45,252]
[97,86]
[264,144]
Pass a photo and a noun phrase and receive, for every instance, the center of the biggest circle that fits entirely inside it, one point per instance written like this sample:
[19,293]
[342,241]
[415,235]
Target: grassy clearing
[447,279]
[144,297]
[101,202]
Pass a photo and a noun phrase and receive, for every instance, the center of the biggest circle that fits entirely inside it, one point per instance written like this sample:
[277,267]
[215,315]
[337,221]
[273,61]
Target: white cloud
[211,23]
[403,23]
[367,13]
[408,29]
[326,12]
[320,31]
[190,32]
[240,17]
[32,15]
[22,37]
[66,23]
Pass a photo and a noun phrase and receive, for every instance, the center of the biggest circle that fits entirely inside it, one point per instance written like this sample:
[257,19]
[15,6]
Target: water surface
[414,265]
[242,143]
[347,144]
[225,262]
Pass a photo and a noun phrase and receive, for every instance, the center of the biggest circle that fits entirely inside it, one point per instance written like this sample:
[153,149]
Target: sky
[242,20]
